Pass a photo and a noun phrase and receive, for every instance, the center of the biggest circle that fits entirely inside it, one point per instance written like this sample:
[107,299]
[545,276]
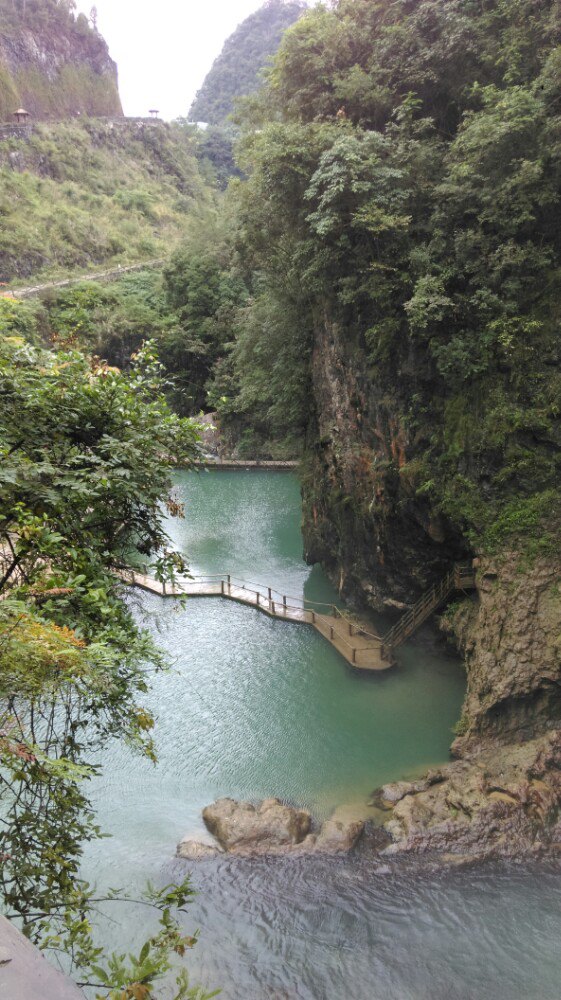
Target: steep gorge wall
[510,636]
[381,543]
[56,68]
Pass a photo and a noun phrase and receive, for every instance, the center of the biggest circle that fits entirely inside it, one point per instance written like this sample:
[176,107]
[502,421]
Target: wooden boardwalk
[361,647]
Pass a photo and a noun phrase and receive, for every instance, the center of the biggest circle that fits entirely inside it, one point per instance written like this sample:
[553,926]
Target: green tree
[237,70]
[85,483]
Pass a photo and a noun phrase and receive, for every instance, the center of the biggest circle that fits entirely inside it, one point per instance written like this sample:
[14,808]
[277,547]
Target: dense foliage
[237,70]
[402,201]
[214,149]
[58,15]
[85,483]
[188,310]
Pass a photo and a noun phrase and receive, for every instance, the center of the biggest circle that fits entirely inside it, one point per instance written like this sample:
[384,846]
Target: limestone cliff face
[510,635]
[381,543]
[55,68]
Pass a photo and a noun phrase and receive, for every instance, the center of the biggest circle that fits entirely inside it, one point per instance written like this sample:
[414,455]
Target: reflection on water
[256,707]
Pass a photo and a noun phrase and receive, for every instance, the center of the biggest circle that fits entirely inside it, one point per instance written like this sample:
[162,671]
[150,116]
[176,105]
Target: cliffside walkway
[361,647]
[460,578]
[112,275]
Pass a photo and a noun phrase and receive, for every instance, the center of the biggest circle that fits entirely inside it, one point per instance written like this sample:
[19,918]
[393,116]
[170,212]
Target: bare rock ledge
[504,803]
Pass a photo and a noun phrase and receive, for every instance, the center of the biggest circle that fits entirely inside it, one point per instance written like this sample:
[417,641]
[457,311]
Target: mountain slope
[83,193]
[236,71]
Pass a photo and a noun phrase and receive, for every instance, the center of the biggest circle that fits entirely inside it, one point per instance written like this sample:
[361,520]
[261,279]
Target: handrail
[303,603]
[428,602]
[459,574]
[270,604]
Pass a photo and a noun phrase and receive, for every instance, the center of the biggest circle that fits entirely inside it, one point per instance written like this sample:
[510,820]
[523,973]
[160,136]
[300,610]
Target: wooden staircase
[460,577]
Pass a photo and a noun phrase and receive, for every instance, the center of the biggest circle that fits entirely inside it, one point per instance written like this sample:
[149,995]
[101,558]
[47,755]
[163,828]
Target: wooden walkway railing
[460,577]
[360,646]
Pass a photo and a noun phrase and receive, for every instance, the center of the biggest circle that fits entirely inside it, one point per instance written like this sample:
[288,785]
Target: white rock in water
[269,826]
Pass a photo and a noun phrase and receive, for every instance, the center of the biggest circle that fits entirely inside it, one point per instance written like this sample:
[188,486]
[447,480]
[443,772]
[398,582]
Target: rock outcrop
[54,65]
[381,542]
[502,797]
[270,827]
[196,850]
[338,836]
[503,803]
[510,636]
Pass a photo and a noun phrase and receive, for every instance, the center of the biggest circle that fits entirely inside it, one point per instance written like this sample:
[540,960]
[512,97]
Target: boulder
[246,828]
[388,795]
[196,850]
[338,836]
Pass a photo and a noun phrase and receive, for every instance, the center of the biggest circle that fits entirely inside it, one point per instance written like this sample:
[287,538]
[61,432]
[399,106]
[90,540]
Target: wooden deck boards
[360,648]
[355,641]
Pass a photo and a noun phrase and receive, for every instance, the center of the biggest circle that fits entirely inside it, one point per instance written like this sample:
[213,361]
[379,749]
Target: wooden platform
[361,647]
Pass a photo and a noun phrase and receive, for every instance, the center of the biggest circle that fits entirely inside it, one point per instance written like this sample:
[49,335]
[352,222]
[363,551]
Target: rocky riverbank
[502,803]
[502,797]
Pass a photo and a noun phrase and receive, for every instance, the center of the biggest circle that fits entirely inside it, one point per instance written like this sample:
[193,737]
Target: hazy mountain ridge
[236,71]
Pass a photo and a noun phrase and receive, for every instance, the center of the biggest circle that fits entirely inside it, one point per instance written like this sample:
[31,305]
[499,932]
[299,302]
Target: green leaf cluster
[86,461]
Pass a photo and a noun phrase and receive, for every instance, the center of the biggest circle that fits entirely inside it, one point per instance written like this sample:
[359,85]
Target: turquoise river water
[255,707]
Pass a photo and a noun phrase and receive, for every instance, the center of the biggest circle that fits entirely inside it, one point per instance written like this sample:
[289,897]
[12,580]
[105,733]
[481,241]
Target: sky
[165,48]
